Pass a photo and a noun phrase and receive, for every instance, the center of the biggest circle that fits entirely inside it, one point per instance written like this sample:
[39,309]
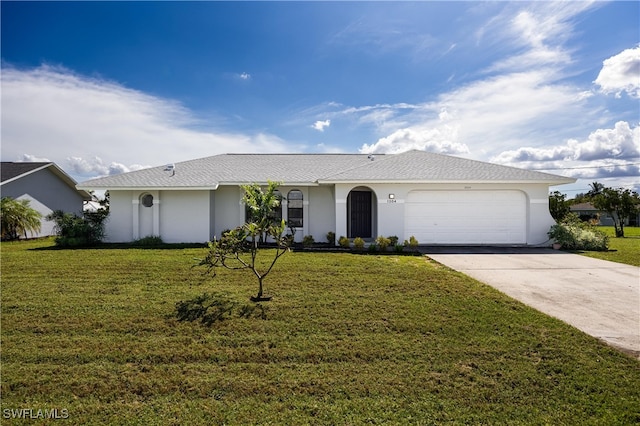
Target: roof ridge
[289,153]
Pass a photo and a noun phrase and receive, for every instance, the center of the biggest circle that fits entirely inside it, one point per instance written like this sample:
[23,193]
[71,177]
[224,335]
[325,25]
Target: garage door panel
[466,217]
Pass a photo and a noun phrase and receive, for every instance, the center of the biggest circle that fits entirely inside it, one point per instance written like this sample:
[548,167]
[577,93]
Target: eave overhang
[148,188]
[456,182]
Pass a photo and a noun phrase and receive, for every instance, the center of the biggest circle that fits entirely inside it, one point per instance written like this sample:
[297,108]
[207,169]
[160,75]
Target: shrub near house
[574,234]
[77,231]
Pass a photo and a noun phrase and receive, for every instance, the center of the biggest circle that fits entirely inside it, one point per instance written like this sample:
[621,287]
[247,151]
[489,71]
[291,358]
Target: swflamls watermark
[35,413]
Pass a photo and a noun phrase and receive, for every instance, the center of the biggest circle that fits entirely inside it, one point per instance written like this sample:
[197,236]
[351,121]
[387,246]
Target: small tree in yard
[239,248]
[619,203]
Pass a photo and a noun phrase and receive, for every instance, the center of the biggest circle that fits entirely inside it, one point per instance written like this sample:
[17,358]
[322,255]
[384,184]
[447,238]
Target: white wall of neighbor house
[47,227]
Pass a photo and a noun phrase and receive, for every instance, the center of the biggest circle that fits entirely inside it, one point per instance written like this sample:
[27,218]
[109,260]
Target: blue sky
[107,87]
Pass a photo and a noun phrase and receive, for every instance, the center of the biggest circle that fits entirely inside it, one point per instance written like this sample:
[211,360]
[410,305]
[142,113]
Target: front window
[294,210]
[276,213]
[147,200]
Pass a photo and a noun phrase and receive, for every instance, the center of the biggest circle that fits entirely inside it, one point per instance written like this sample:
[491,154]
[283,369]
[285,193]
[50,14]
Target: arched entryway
[361,213]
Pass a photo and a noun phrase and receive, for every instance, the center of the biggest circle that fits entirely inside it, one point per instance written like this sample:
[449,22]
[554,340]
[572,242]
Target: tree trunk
[259,297]
[259,288]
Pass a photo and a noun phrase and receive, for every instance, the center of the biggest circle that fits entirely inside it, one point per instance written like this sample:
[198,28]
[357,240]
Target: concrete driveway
[598,297]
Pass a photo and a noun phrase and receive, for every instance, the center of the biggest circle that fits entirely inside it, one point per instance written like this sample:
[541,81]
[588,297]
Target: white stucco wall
[184,216]
[391,212]
[227,210]
[196,216]
[176,216]
[321,212]
[540,219]
[318,210]
[119,225]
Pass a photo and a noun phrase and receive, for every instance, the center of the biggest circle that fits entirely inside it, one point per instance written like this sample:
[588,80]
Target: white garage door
[466,217]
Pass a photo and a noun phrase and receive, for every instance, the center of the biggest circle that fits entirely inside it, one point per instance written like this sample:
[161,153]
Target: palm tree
[18,218]
[596,189]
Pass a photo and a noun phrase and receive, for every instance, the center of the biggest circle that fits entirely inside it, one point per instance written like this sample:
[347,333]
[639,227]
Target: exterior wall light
[392,196]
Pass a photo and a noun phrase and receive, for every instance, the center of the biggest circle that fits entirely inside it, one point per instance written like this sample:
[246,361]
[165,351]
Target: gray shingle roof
[312,169]
[421,166]
[14,171]
[582,206]
[10,170]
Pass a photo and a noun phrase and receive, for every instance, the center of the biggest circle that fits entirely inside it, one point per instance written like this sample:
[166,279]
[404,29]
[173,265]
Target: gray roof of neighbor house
[12,171]
[582,206]
[313,169]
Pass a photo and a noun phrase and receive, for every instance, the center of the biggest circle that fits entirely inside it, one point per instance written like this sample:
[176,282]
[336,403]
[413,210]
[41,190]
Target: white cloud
[604,153]
[538,34]
[320,125]
[621,73]
[534,33]
[440,140]
[96,127]
[33,159]
[494,113]
[96,167]
[621,142]
[523,98]
[245,76]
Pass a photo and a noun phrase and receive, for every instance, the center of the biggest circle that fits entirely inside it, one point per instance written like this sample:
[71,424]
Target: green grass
[621,250]
[347,339]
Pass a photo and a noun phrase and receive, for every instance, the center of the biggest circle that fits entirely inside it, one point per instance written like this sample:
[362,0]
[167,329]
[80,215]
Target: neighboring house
[46,186]
[587,211]
[439,199]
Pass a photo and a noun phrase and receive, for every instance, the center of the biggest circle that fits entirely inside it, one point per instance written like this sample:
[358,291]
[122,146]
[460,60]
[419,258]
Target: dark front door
[360,205]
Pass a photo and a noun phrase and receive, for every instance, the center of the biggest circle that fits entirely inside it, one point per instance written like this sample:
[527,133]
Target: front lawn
[621,250]
[348,339]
